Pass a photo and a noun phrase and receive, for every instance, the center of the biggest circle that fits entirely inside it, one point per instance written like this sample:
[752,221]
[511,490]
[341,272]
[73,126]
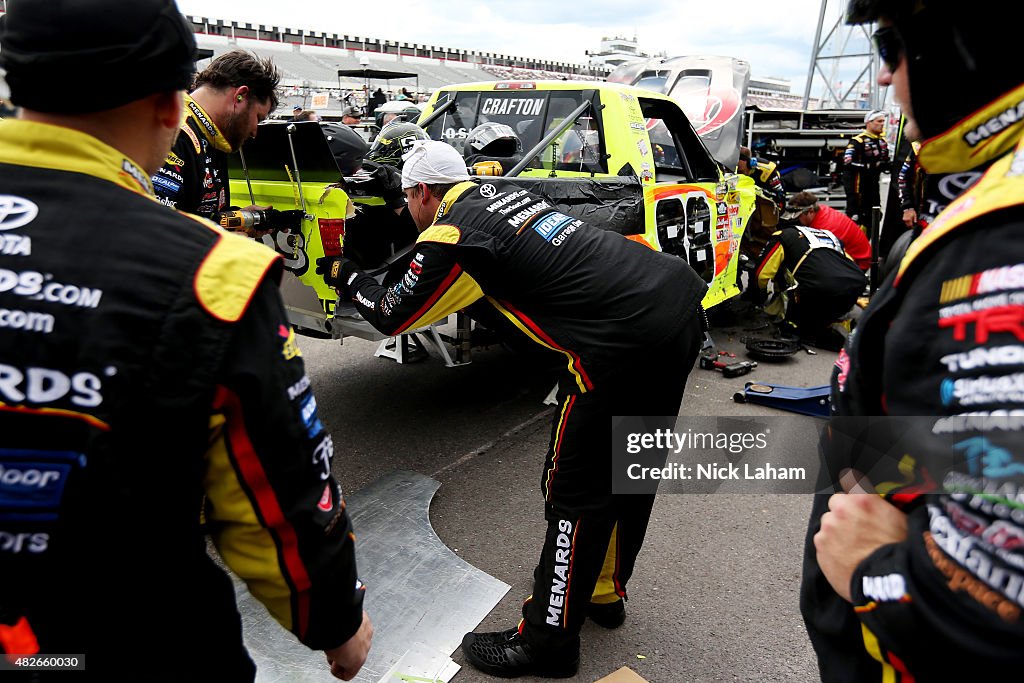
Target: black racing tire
[896,253]
[772,349]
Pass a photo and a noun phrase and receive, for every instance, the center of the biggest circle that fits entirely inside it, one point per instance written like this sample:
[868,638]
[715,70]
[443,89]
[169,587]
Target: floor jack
[813,401]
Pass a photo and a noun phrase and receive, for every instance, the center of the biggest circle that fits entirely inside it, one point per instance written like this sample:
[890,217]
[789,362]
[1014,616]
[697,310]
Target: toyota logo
[955,184]
[488,191]
[16,212]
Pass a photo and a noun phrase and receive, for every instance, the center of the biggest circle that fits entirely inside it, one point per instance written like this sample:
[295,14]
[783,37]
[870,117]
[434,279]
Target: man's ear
[169,107]
[241,93]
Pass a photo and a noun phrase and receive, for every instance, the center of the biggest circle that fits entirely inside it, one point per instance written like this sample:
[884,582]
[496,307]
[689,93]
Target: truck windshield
[532,115]
[654,80]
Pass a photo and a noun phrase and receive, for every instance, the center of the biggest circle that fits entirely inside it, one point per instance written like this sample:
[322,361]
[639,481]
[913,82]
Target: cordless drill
[256,222]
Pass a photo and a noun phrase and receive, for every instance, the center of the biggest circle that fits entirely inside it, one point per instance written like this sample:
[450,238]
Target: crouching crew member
[820,281]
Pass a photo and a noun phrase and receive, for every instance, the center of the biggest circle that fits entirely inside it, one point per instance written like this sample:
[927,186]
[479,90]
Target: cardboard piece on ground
[422,663]
[623,675]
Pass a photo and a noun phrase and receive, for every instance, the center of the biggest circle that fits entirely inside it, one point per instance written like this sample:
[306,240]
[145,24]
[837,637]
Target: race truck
[618,157]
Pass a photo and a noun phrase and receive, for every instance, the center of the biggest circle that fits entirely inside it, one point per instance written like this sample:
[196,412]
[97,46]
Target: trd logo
[1005,319]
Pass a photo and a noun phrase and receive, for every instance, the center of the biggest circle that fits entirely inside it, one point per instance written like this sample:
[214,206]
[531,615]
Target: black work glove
[387,181]
[338,272]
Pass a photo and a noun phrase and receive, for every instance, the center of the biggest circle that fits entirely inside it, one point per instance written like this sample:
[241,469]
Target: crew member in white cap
[865,158]
[623,318]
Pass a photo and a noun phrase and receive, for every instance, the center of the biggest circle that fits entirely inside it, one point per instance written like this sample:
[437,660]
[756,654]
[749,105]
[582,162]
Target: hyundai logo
[16,212]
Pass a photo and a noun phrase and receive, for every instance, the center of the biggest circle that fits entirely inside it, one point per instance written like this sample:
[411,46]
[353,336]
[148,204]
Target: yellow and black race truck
[619,157]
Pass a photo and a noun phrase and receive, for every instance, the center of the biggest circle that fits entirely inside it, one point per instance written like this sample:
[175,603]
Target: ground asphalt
[715,593]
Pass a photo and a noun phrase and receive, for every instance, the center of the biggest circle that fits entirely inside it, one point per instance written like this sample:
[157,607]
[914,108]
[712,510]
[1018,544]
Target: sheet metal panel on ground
[421,596]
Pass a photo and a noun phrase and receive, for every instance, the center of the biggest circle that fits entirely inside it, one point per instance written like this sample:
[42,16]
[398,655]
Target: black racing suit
[943,338]
[828,281]
[625,320]
[866,156]
[909,182]
[148,368]
[194,178]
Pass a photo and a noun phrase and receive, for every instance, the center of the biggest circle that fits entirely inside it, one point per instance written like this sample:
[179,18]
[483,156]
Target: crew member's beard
[233,129]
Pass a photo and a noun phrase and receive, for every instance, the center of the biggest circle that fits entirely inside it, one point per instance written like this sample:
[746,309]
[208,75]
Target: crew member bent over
[827,281]
[625,320]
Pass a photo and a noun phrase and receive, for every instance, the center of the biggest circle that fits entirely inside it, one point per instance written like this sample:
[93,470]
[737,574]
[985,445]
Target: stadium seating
[314,66]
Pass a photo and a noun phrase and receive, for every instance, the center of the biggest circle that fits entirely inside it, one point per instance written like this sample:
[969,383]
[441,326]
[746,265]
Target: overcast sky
[774,36]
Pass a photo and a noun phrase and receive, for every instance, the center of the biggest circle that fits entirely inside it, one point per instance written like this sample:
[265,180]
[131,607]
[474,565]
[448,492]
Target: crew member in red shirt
[804,207]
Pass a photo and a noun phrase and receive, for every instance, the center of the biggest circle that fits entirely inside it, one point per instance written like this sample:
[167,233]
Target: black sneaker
[504,654]
[610,615]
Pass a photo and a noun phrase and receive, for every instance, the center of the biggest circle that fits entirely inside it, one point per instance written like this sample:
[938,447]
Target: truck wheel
[772,349]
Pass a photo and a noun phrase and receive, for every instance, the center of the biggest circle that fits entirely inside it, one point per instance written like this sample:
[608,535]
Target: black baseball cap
[82,56]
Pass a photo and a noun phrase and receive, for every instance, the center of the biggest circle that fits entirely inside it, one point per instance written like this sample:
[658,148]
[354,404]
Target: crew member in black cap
[148,374]
[232,95]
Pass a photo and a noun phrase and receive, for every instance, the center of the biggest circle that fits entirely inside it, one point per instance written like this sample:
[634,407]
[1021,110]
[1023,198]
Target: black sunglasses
[889,44]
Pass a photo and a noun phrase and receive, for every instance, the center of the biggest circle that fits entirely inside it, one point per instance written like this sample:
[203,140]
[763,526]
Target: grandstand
[310,61]
[317,67]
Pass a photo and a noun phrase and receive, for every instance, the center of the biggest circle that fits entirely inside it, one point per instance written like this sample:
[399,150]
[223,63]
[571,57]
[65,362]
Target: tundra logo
[16,212]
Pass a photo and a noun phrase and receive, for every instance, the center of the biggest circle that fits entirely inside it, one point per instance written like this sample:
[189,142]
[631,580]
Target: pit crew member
[147,368]
[625,320]
[231,96]
[922,580]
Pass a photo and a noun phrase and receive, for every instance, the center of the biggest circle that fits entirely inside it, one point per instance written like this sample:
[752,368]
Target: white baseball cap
[876,114]
[434,163]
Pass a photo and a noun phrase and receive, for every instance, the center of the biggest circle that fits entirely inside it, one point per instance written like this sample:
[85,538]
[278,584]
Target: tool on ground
[813,401]
[710,360]
[770,349]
